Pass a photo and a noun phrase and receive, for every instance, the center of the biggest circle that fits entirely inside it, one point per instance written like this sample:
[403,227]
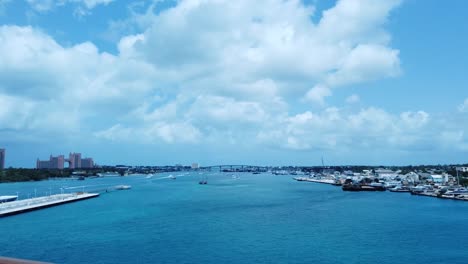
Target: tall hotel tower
[2,159]
[75,160]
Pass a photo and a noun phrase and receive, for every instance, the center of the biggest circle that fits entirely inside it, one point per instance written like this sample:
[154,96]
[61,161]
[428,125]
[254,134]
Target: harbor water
[246,219]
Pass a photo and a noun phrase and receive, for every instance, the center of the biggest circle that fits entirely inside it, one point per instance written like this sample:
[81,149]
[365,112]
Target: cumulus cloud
[453,140]
[226,110]
[93,3]
[83,5]
[210,70]
[464,106]
[70,84]
[352,99]
[318,94]
[242,41]
[152,133]
[14,113]
[41,5]
[366,62]
[335,128]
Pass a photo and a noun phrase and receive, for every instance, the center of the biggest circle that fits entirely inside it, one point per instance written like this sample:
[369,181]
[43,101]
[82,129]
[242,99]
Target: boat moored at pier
[8,198]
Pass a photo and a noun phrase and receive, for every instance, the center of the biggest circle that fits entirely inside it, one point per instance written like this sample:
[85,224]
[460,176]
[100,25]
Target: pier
[324,181]
[22,206]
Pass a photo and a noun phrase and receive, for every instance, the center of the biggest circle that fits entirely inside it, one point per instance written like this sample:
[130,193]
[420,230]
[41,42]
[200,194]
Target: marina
[448,189]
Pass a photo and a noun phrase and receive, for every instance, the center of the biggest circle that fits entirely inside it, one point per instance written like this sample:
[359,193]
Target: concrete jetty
[325,181]
[22,206]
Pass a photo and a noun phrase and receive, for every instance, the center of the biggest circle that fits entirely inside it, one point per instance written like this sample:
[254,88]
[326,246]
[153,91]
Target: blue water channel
[254,219]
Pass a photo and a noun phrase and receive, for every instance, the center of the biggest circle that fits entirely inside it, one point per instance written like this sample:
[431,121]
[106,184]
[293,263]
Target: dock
[324,181]
[22,206]
[442,196]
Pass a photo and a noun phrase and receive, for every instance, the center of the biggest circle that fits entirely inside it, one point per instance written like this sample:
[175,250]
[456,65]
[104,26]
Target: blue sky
[247,82]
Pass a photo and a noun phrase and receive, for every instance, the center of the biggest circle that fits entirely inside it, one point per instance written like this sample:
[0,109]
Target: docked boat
[8,198]
[421,189]
[109,174]
[453,191]
[359,187]
[337,183]
[370,188]
[399,188]
[377,186]
[300,178]
[351,187]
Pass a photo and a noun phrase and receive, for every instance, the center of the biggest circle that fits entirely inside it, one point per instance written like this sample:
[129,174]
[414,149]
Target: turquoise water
[255,219]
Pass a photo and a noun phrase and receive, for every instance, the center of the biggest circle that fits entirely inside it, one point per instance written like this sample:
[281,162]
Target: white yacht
[123,187]
[8,198]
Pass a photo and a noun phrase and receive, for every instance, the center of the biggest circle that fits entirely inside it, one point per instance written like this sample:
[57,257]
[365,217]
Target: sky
[271,82]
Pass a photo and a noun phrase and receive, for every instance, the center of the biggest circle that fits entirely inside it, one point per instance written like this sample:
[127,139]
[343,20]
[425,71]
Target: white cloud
[352,99]
[226,110]
[90,4]
[215,71]
[414,119]
[152,133]
[318,94]
[14,112]
[336,129]
[366,62]
[242,41]
[63,87]
[83,5]
[464,106]
[41,5]
[357,21]
[454,140]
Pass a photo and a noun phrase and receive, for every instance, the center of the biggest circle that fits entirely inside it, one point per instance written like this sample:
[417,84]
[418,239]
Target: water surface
[254,219]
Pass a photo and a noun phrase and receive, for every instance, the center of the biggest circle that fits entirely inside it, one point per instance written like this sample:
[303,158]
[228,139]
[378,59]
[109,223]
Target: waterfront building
[2,159]
[195,166]
[42,164]
[75,160]
[57,162]
[87,163]
[437,178]
[385,173]
[462,169]
[53,163]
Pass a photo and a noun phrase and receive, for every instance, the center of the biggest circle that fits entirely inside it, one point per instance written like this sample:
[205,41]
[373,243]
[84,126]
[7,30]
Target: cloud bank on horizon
[217,72]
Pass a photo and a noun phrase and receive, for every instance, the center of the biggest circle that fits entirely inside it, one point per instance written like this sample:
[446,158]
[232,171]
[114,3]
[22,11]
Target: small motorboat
[123,187]
[8,198]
